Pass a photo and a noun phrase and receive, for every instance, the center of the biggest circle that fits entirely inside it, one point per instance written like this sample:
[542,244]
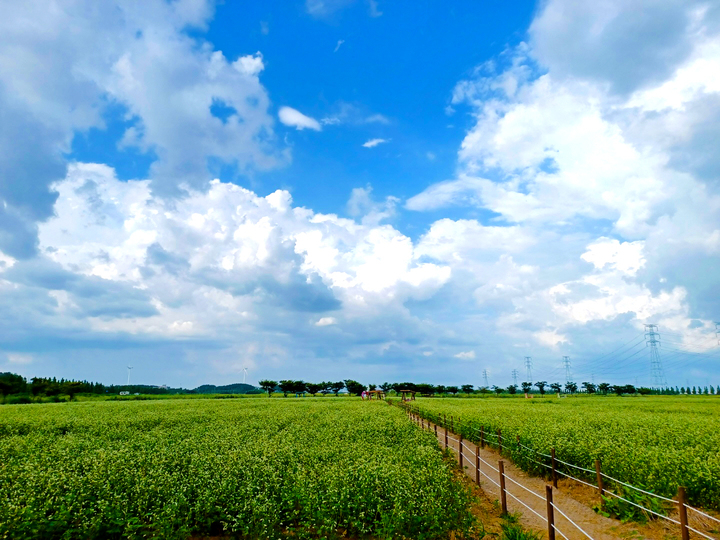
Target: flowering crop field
[271,468]
[655,443]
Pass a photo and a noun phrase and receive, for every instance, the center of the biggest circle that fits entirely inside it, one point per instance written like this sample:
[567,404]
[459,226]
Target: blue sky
[377,190]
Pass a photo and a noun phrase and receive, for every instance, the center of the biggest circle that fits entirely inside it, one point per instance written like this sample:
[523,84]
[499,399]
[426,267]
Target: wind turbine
[129,368]
[244,374]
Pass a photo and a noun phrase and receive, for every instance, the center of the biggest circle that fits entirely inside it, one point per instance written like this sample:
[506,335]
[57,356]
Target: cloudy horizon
[324,192]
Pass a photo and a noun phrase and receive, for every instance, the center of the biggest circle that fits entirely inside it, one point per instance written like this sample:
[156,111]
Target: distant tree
[325,387]
[385,387]
[712,390]
[467,388]
[604,388]
[498,390]
[556,387]
[299,387]
[426,389]
[440,389]
[286,386]
[484,390]
[694,391]
[512,389]
[705,391]
[313,388]
[71,388]
[39,386]
[589,387]
[11,383]
[541,387]
[336,387]
[526,386]
[354,387]
[372,386]
[644,391]
[571,387]
[621,389]
[453,390]
[268,386]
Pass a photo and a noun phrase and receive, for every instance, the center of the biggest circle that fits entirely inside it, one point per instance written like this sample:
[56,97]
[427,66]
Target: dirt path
[526,496]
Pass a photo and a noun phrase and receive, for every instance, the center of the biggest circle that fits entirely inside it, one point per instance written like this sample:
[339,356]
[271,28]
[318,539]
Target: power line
[566,363]
[528,368]
[656,371]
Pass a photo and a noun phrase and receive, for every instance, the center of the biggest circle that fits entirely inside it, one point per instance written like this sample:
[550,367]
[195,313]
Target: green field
[655,443]
[256,468]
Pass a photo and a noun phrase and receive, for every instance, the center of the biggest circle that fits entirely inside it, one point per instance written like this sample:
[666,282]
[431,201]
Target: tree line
[17,386]
[540,387]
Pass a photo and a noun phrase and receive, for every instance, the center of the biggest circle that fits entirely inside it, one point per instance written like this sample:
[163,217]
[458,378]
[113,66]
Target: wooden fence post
[482,436]
[452,424]
[477,465]
[683,514]
[446,437]
[503,497]
[550,512]
[436,431]
[598,474]
[554,467]
[460,457]
[499,436]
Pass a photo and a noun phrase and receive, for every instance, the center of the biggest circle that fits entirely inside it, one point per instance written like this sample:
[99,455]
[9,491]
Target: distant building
[124,393]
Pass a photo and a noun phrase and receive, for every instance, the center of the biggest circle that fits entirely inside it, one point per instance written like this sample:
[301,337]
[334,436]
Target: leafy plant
[624,511]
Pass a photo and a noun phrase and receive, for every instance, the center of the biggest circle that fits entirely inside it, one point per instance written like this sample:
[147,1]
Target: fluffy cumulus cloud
[137,58]
[222,268]
[590,153]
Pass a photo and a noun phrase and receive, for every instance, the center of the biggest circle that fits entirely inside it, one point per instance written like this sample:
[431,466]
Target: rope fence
[496,440]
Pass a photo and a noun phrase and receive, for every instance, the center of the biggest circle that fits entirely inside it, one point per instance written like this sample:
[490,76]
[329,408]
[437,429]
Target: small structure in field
[407,395]
[379,394]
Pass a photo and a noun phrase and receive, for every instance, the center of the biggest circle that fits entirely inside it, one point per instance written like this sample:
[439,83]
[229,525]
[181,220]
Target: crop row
[654,443]
[249,468]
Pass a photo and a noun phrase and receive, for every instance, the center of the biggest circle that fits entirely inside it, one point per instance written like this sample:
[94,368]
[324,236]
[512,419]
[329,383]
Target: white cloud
[466,355]
[373,8]
[339,43]
[372,143]
[377,119]
[225,257]
[294,118]
[326,321]
[627,257]
[19,358]
[140,58]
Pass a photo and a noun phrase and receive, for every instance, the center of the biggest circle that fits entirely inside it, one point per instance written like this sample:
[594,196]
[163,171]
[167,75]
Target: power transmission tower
[487,385]
[528,368]
[652,339]
[129,368]
[566,363]
[514,376]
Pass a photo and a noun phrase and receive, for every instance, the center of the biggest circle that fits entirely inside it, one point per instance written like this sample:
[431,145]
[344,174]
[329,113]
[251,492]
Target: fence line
[504,491]
[420,417]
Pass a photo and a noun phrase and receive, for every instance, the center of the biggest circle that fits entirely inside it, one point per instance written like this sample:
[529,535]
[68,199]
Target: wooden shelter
[379,394]
[407,395]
